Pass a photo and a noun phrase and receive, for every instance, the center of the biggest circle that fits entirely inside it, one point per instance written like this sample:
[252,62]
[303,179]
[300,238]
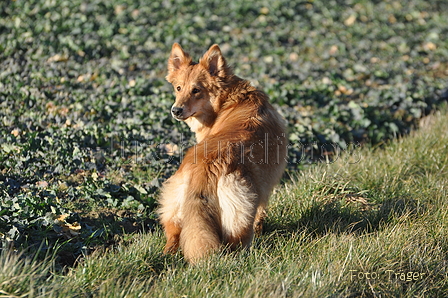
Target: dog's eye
[196,90]
[178,88]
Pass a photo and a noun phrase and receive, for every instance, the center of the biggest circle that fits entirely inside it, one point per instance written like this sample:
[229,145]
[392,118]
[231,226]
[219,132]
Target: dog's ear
[177,58]
[214,62]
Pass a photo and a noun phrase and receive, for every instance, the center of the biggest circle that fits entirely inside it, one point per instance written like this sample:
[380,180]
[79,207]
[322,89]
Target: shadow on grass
[99,230]
[346,215]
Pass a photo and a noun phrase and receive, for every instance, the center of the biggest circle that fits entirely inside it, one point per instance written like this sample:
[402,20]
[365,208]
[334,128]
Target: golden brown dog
[218,195]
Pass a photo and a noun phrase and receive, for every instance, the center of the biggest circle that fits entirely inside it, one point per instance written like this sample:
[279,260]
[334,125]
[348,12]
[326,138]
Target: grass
[86,137]
[372,228]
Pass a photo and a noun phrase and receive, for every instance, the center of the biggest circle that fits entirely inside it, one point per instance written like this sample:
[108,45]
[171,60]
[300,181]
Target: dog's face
[196,85]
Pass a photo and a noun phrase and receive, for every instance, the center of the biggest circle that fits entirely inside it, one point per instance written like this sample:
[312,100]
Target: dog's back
[221,189]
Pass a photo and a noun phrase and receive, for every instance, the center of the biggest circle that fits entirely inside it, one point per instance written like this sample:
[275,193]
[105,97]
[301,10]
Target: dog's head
[196,85]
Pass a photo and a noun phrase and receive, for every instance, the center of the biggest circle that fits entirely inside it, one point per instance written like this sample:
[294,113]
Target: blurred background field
[86,137]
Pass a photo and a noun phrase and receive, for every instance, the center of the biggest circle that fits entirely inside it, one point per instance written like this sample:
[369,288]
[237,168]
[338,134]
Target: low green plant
[86,137]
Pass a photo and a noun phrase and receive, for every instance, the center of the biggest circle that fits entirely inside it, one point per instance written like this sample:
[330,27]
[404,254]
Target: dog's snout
[176,111]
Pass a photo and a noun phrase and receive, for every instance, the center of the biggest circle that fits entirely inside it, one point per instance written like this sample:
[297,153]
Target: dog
[217,197]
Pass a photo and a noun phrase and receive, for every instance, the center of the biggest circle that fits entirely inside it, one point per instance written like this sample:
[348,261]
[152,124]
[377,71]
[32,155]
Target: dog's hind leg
[170,210]
[238,203]
[259,219]
[172,233]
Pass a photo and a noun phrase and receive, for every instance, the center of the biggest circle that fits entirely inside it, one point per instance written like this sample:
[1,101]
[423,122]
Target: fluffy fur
[219,193]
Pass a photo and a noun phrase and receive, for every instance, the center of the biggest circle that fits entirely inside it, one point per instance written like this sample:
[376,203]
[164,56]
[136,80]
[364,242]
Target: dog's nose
[176,111]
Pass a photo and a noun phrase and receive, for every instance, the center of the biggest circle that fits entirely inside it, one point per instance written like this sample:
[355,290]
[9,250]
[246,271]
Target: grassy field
[371,224]
[86,139]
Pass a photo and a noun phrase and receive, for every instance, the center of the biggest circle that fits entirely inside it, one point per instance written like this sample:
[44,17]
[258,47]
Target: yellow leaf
[60,219]
[93,76]
[333,50]
[15,132]
[429,46]
[74,228]
[264,10]
[350,20]
[58,58]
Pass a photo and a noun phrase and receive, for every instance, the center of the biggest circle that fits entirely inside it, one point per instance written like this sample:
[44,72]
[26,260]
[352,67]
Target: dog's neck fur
[202,125]
[196,126]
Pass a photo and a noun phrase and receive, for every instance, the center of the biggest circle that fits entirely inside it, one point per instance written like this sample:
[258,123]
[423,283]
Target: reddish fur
[173,234]
[219,193]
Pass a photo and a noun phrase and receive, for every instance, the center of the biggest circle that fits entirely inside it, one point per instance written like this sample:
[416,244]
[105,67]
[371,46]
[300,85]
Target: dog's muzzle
[177,112]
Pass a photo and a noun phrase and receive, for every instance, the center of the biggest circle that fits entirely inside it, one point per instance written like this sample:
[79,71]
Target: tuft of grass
[23,277]
[373,228]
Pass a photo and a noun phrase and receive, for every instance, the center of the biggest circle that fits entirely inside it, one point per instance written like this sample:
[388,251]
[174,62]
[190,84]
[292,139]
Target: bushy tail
[201,229]
[201,220]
